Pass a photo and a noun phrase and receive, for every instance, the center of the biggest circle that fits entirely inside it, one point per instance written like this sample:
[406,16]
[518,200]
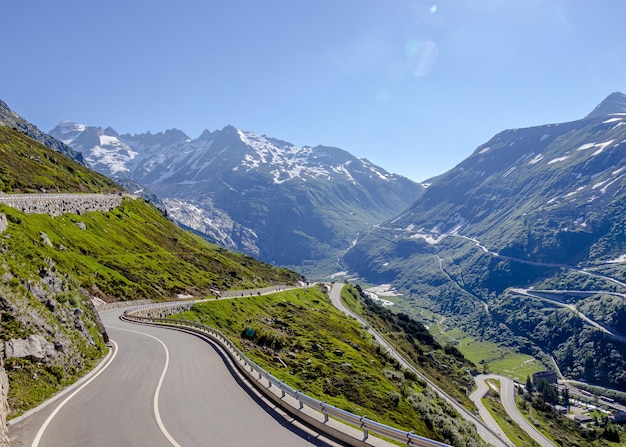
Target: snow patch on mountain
[606,184]
[112,153]
[429,238]
[341,169]
[69,130]
[618,260]
[558,159]
[600,146]
[573,193]
[217,224]
[508,172]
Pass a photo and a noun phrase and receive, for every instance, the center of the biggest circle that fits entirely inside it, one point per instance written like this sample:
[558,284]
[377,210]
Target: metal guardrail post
[365,432]
[299,400]
[324,412]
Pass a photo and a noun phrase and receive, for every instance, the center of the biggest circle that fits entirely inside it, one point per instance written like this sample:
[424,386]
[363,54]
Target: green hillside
[52,268]
[301,338]
[132,252]
[28,166]
[541,207]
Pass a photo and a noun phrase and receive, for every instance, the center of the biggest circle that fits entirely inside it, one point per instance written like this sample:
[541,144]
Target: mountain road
[161,387]
[491,434]
[507,397]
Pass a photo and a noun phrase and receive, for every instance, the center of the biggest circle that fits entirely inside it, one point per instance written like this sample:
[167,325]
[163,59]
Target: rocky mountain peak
[110,132]
[614,103]
[206,135]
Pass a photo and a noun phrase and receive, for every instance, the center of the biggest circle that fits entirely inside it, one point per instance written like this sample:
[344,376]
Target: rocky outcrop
[52,326]
[59,204]
[35,347]
[3,223]
[4,407]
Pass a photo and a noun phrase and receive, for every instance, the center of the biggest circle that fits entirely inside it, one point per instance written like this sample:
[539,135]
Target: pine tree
[565,397]
[611,433]
[529,384]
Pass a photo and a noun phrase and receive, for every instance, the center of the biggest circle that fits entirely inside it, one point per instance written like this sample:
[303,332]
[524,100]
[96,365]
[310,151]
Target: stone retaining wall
[58,204]
[163,312]
[120,304]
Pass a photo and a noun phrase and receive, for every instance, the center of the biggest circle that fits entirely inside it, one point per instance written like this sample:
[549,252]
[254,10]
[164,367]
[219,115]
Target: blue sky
[414,86]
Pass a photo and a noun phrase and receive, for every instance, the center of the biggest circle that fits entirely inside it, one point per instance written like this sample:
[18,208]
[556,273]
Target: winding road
[507,392]
[160,387]
[507,397]
[487,433]
[536,295]
[163,387]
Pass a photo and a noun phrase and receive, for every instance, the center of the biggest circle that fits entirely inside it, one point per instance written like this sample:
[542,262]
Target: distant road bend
[536,294]
[507,396]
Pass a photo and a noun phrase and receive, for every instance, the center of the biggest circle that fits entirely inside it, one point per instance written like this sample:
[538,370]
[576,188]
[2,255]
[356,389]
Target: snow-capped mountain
[283,203]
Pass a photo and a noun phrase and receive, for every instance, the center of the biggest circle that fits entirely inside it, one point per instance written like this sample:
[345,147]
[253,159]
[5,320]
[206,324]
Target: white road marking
[155,401]
[58,408]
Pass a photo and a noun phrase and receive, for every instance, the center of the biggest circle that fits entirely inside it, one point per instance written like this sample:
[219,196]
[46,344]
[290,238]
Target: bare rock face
[35,347]
[46,240]
[3,223]
[4,407]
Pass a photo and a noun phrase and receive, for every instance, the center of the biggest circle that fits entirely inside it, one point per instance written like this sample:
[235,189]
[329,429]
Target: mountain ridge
[250,192]
[516,211]
[614,103]
[11,119]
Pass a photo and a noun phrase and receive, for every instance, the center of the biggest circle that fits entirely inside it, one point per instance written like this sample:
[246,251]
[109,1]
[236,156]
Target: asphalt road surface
[507,397]
[477,397]
[160,387]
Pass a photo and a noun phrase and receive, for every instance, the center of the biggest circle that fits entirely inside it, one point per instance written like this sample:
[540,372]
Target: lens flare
[421,57]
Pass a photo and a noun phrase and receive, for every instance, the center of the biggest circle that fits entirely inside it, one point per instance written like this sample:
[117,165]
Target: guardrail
[255,374]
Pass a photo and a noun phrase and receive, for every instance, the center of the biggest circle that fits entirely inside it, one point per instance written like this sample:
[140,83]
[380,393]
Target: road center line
[155,401]
[42,429]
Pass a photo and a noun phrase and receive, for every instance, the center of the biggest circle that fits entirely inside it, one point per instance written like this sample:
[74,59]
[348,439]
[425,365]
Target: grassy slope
[445,366]
[28,166]
[302,339]
[132,252]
